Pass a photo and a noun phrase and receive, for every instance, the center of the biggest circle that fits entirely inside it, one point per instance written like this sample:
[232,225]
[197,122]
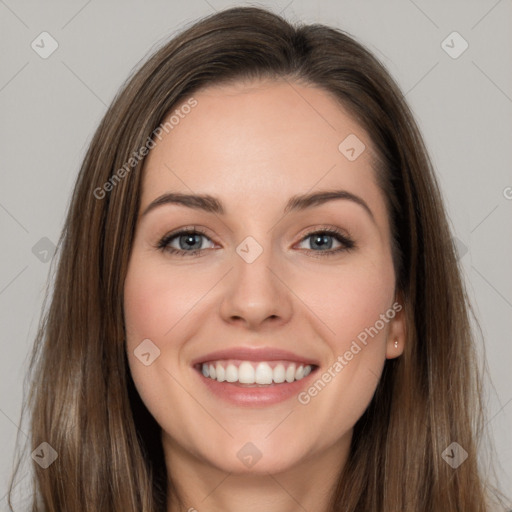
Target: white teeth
[264,374]
[246,373]
[255,373]
[290,373]
[231,373]
[220,373]
[279,374]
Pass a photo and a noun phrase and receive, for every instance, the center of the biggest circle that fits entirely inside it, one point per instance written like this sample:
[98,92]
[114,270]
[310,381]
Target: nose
[256,293]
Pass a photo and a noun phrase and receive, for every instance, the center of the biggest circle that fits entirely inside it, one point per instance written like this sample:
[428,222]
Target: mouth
[254,373]
[254,378]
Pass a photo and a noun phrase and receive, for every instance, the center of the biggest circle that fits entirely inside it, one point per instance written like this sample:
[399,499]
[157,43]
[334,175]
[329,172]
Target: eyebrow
[301,202]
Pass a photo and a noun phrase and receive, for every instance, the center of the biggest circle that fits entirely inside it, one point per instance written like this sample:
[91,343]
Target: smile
[245,388]
[254,372]
[254,377]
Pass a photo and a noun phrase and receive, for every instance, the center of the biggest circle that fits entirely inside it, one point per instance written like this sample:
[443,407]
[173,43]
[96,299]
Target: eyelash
[347,243]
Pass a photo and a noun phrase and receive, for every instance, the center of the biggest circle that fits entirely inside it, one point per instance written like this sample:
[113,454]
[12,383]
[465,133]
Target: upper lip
[255,354]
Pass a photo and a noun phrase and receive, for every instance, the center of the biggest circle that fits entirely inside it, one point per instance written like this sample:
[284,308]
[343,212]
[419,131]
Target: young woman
[257,304]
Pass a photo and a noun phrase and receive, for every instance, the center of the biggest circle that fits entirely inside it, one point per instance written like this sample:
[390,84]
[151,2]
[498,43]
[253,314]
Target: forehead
[261,141]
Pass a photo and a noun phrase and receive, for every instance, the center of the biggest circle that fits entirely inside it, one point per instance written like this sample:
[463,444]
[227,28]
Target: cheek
[350,300]
[355,307]
[155,302]
[155,299]
[160,304]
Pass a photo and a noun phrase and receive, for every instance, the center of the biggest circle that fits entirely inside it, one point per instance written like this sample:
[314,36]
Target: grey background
[51,107]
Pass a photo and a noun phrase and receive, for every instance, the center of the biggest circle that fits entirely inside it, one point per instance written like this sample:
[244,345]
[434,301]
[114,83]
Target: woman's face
[268,294]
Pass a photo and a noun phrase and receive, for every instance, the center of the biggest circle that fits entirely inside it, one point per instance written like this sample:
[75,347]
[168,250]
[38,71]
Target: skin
[253,146]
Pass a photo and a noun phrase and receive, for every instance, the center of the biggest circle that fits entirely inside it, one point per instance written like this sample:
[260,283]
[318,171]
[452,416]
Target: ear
[397,328]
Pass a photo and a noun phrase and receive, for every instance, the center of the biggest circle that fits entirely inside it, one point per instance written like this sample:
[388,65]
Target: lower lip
[243,395]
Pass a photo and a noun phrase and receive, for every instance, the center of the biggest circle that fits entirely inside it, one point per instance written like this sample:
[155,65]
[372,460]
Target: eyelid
[162,243]
[342,235]
[324,228]
[344,238]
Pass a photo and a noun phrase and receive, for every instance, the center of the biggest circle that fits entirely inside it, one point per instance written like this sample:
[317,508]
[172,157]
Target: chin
[256,457]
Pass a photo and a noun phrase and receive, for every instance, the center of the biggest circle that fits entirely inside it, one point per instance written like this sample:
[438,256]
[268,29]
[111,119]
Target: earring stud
[396,343]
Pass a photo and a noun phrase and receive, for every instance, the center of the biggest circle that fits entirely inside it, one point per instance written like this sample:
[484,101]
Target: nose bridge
[254,293]
[253,263]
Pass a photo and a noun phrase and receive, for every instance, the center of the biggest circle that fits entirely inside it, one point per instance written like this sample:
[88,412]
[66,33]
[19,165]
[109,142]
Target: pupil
[323,242]
[189,241]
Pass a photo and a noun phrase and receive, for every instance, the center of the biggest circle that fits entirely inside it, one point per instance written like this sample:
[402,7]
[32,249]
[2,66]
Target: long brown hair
[82,400]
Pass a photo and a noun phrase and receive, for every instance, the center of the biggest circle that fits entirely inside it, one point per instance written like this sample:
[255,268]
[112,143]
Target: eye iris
[320,241]
[191,238]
